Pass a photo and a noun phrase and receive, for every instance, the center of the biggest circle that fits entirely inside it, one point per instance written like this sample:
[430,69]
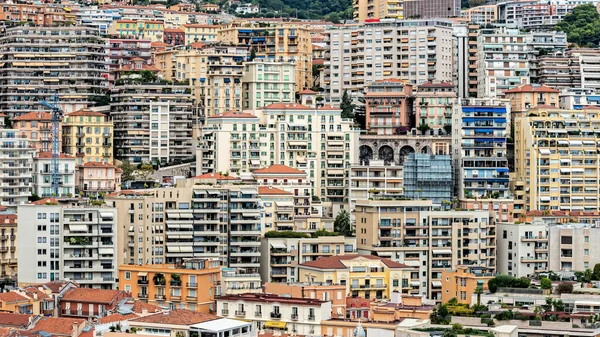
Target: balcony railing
[275,315]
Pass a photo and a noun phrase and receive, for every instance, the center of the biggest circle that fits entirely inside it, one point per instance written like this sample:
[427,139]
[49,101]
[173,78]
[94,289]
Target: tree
[8,123]
[479,291]
[145,171]
[596,272]
[582,26]
[128,171]
[564,288]
[347,106]
[342,224]
[424,127]
[159,279]
[545,283]
[252,54]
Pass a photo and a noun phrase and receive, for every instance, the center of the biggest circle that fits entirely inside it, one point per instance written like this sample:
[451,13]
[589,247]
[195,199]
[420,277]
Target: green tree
[564,288]
[252,54]
[8,123]
[545,283]
[596,272]
[347,106]
[342,224]
[128,171]
[424,127]
[582,26]
[159,279]
[145,171]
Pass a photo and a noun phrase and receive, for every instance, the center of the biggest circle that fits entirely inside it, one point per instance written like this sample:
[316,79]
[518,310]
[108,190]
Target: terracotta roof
[5,332]
[233,114]
[390,80]
[11,297]
[48,155]
[97,164]
[591,107]
[137,59]
[45,201]
[40,294]
[158,44]
[335,262]
[3,208]
[130,192]
[271,298]
[86,112]
[139,307]
[287,106]
[215,176]
[34,116]
[91,295]
[197,45]
[173,30]
[57,325]
[199,25]
[319,62]
[55,286]
[328,107]
[177,317]
[14,320]
[269,190]
[279,169]
[10,219]
[357,302]
[307,92]
[531,88]
[436,84]
[116,318]
[544,106]
[126,67]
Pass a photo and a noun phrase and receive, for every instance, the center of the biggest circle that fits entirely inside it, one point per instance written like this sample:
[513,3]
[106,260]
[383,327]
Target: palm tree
[159,279]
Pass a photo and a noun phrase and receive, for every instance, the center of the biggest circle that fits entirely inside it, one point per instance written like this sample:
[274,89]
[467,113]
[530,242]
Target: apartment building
[290,42]
[508,58]
[415,51]
[578,98]
[37,67]
[16,173]
[372,177]
[98,18]
[279,209]
[38,14]
[138,28]
[88,136]
[388,106]
[433,105]
[479,132]
[481,15]
[97,178]
[571,247]
[190,285]
[363,10]
[43,169]
[152,121]
[194,32]
[90,303]
[465,65]
[174,36]
[276,313]
[560,72]
[235,283]
[37,127]
[8,246]
[522,248]
[335,293]
[120,52]
[75,243]
[266,81]
[281,256]
[463,282]
[410,232]
[527,96]
[429,176]
[286,134]
[555,160]
[385,275]
[427,9]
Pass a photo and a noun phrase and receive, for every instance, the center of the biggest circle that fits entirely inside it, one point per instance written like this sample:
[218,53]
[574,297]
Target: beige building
[522,248]
[373,177]
[289,42]
[411,232]
[463,281]
[195,32]
[8,246]
[525,97]
[556,160]
[266,82]
[37,127]
[88,135]
[378,9]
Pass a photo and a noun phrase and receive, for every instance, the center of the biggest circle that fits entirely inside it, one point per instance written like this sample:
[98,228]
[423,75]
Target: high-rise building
[266,81]
[40,14]
[427,9]
[43,170]
[414,51]
[121,52]
[428,176]
[88,136]
[388,106]
[371,10]
[465,65]
[75,243]
[576,68]
[16,173]
[289,42]
[527,96]
[68,60]
[433,105]
[98,18]
[522,248]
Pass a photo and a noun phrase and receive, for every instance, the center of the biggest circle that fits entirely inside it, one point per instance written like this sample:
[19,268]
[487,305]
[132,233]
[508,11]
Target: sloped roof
[177,317]
[215,176]
[48,155]
[117,317]
[233,114]
[287,106]
[531,88]
[270,190]
[279,169]
[91,295]
[335,262]
[34,116]
[57,325]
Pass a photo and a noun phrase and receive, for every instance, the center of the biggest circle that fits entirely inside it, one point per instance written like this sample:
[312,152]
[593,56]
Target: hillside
[334,10]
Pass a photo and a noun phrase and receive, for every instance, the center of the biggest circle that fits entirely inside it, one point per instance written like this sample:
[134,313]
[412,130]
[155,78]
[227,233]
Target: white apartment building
[68,243]
[266,81]
[522,248]
[273,313]
[16,155]
[368,179]
[413,50]
[100,19]
[43,169]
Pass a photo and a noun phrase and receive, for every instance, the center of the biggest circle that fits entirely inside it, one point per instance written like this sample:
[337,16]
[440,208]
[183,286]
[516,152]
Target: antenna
[57,115]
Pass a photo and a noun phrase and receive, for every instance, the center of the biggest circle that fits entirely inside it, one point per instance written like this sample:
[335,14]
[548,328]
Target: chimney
[75,331]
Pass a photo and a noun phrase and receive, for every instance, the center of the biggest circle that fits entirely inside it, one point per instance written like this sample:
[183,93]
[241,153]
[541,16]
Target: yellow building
[462,282]
[365,276]
[147,29]
[527,96]
[88,135]
[377,9]
[281,41]
[556,160]
[199,33]
[190,286]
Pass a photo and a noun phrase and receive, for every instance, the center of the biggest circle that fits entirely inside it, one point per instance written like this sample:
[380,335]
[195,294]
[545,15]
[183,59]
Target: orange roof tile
[328,107]
[318,62]
[5,332]
[307,92]
[531,88]
[12,297]
[8,219]
[279,169]
[270,190]
[215,176]
[139,307]
[86,112]
[116,318]
[34,116]
[55,286]
[335,262]
[14,320]
[158,44]
[45,201]
[57,325]
[390,80]
[357,302]
[233,114]
[591,107]
[97,164]
[287,106]
[91,295]
[173,30]
[177,317]
[436,84]
[40,294]
[48,155]
[199,25]
[197,45]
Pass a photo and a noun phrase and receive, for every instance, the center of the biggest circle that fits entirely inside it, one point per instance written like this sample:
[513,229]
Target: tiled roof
[307,92]
[531,88]
[45,201]
[197,45]
[158,44]
[177,317]
[233,114]
[173,30]
[97,164]
[270,190]
[48,155]
[116,318]
[328,107]
[436,84]
[10,219]
[139,307]
[5,332]
[335,262]
[14,320]
[287,106]
[319,62]
[11,297]
[390,80]
[215,176]
[34,116]
[40,294]
[591,107]
[91,295]
[55,286]
[57,325]
[279,169]
[357,302]
[86,112]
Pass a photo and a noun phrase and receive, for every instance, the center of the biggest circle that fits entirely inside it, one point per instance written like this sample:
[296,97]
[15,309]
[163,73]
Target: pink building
[37,126]
[388,106]
[94,178]
[503,208]
[433,103]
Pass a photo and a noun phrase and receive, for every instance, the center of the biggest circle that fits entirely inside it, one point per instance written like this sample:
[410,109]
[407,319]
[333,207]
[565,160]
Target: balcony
[240,313]
[225,312]
[159,297]
[258,314]
[191,285]
[311,318]
[191,298]
[294,317]
[142,296]
[276,315]
[142,282]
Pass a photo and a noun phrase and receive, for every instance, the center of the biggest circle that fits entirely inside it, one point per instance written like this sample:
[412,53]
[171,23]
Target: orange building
[527,96]
[462,283]
[188,286]
[43,15]
[37,126]
[388,106]
[336,293]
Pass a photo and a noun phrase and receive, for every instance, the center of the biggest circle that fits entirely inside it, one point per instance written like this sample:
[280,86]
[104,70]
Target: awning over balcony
[143,274]
[276,325]
[436,284]
[78,228]
[185,249]
[284,203]
[173,216]
[170,226]
[186,215]
[106,251]
[278,245]
[415,283]
[442,251]
[106,215]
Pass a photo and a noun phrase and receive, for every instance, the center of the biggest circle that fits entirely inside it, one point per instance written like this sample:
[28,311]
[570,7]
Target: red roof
[12,297]
[8,219]
[307,92]
[97,164]
[48,155]
[86,112]
[197,45]
[233,114]
[41,295]
[390,80]
[335,262]
[173,30]
[158,44]
[215,176]
[531,88]
[287,106]
[318,62]
[328,107]
[177,317]
[591,107]
[34,116]
[45,201]
[279,169]
[436,84]
[116,318]
[15,320]
[270,190]
[57,325]
[139,307]
[55,286]
[90,295]
[357,302]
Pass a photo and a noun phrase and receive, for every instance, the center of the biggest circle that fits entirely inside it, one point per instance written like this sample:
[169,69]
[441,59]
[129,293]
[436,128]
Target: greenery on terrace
[456,330]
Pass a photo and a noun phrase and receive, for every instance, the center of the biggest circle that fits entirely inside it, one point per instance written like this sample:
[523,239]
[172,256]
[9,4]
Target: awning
[415,283]
[276,325]
[254,161]
[575,142]
[412,263]
[106,251]
[545,198]
[188,226]
[297,143]
[106,215]
[565,160]
[187,215]
[248,191]
[301,159]
[173,249]
[173,216]
[186,236]
[436,284]
[284,203]
[170,225]
[442,251]
[278,245]
[78,228]
[544,151]
[186,249]
[131,228]
[331,171]
[142,273]
[480,281]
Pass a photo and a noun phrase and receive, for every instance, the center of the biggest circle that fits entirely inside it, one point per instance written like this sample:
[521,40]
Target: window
[128,275]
